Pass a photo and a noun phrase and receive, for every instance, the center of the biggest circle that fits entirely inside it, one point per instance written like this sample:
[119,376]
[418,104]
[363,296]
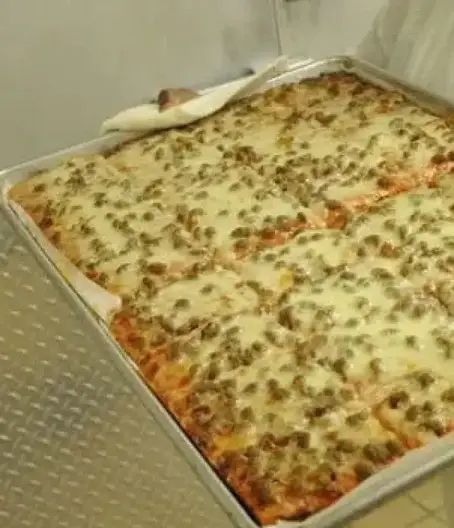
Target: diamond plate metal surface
[77,447]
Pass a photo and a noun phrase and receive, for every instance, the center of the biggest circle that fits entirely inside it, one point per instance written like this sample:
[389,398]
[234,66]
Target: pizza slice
[291,477]
[107,226]
[367,324]
[45,194]
[311,255]
[235,211]
[429,245]
[163,163]
[393,220]
[154,317]
[198,298]
[412,232]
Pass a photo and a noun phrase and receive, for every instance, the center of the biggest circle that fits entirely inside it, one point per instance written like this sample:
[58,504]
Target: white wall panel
[67,64]
[318,28]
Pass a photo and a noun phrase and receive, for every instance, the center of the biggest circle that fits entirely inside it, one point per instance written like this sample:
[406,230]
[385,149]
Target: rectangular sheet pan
[413,467]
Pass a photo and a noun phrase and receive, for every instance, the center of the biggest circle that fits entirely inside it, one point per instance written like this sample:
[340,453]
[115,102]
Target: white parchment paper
[149,117]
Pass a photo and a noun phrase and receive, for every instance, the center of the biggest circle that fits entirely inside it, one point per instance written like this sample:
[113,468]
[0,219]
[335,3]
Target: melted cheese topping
[110,225]
[420,406]
[371,325]
[400,217]
[274,391]
[229,207]
[201,298]
[411,234]
[308,257]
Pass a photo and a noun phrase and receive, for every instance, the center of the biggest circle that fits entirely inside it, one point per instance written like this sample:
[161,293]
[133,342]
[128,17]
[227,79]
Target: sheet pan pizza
[287,274]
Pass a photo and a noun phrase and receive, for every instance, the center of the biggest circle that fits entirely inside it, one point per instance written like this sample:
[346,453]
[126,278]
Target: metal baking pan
[402,474]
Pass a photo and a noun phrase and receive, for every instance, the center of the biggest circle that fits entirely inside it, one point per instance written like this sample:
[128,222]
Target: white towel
[149,117]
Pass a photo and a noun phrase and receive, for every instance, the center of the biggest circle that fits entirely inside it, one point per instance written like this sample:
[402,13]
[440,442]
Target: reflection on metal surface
[7,239]
[448,495]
